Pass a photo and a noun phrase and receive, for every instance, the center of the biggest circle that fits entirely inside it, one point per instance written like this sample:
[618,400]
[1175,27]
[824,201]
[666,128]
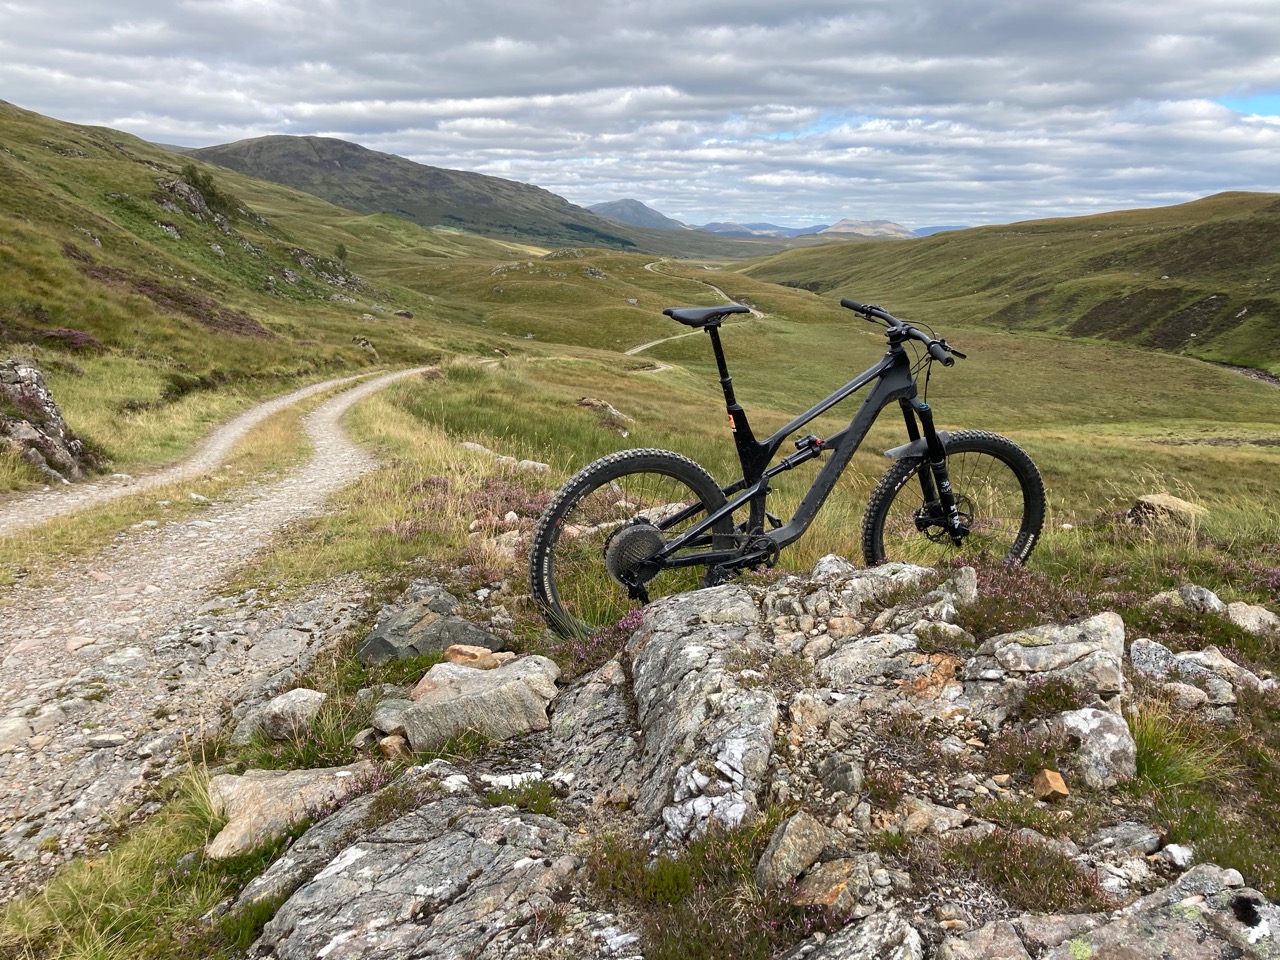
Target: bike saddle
[703,316]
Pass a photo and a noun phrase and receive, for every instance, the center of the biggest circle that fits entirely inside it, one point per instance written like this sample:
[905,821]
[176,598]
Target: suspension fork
[935,483]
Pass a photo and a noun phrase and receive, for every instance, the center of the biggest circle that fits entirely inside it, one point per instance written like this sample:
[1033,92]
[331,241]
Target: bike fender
[916,448]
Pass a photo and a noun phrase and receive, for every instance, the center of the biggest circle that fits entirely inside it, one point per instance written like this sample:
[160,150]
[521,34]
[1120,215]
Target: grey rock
[388,715]
[1108,755]
[280,644]
[1252,618]
[997,940]
[506,702]
[14,731]
[592,729]
[1183,697]
[706,742]
[290,715]
[1052,647]
[35,428]
[882,936]
[842,773]
[922,816]
[1207,926]
[1127,837]
[794,847]
[881,655]
[1153,660]
[424,619]
[316,848]
[262,803]
[1192,597]
[451,879]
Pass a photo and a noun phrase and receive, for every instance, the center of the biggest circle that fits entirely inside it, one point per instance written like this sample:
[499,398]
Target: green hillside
[154,316]
[1201,278]
[367,181]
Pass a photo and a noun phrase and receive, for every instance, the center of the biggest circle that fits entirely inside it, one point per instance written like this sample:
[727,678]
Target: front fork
[935,483]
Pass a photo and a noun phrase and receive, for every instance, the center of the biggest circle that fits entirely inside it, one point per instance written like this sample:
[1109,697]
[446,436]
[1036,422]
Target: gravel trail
[110,666]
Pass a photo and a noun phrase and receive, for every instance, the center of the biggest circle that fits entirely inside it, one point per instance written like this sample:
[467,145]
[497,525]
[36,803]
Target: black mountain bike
[640,524]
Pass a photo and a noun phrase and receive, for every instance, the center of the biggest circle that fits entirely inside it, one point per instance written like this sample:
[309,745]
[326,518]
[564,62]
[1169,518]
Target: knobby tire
[569,561]
[993,479]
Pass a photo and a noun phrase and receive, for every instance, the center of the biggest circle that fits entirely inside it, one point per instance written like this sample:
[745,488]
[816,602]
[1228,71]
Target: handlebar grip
[853,305]
[939,353]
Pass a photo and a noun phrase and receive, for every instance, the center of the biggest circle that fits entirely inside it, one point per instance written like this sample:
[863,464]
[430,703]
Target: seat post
[726,381]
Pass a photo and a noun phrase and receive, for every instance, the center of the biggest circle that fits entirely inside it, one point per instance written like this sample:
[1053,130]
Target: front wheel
[999,496]
[588,563]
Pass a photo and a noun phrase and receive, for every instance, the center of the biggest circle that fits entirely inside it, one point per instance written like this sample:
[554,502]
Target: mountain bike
[644,523]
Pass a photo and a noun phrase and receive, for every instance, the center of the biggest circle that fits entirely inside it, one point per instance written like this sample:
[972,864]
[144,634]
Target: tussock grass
[131,901]
[1175,752]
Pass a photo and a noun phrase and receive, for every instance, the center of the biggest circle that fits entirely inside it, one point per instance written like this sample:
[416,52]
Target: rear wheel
[999,496]
[588,563]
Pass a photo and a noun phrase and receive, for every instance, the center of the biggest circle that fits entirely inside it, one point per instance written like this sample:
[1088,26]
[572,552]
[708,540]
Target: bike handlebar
[938,349]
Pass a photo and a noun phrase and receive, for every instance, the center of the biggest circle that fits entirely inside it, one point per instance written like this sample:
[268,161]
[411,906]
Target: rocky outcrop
[807,694]
[32,425]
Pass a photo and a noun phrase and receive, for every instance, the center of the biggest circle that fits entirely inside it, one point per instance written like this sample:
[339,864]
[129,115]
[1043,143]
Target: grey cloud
[923,111]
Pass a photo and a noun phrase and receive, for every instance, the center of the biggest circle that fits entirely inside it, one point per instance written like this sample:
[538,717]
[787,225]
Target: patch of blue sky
[825,125]
[1262,104]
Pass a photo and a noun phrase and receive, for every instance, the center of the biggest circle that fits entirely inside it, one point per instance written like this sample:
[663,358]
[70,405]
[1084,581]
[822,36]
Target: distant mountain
[370,182]
[870,228]
[636,214]
[730,229]
[367,181]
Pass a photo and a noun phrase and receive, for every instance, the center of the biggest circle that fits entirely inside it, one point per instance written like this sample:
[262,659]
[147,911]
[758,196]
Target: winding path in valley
[653,343]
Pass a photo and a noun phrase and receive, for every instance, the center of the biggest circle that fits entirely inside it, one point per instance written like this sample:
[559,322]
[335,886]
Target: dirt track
[109,665]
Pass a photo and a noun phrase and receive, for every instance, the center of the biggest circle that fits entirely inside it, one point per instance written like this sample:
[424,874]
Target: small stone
[1049,786]
[395,747]
[480,658]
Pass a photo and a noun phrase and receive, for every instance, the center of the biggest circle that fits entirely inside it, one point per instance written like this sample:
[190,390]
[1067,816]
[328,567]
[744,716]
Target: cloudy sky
[926,112]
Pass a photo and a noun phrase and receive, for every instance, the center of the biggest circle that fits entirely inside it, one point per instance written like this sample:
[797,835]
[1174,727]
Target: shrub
[702,903]
[1029,874]
[1047,695]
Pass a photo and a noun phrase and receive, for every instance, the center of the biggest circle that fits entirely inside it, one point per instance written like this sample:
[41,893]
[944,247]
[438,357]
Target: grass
[1176,752]
[143,899]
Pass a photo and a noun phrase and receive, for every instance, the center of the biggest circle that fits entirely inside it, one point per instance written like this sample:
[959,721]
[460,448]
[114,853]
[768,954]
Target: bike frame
[893,381]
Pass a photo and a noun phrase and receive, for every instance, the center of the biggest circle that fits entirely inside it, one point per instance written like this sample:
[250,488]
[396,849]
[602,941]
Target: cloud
[921,111]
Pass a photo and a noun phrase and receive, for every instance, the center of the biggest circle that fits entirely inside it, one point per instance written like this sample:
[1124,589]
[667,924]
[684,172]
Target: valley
[1109,347]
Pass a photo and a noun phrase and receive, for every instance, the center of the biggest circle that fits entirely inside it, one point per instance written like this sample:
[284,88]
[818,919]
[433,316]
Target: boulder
[261,804]
[424,620]
[501,703]
[1108,755]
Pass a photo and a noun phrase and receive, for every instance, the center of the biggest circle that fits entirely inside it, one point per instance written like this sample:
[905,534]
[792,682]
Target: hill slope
[371,182]
[1201,278]
[636,214]
[365,180]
